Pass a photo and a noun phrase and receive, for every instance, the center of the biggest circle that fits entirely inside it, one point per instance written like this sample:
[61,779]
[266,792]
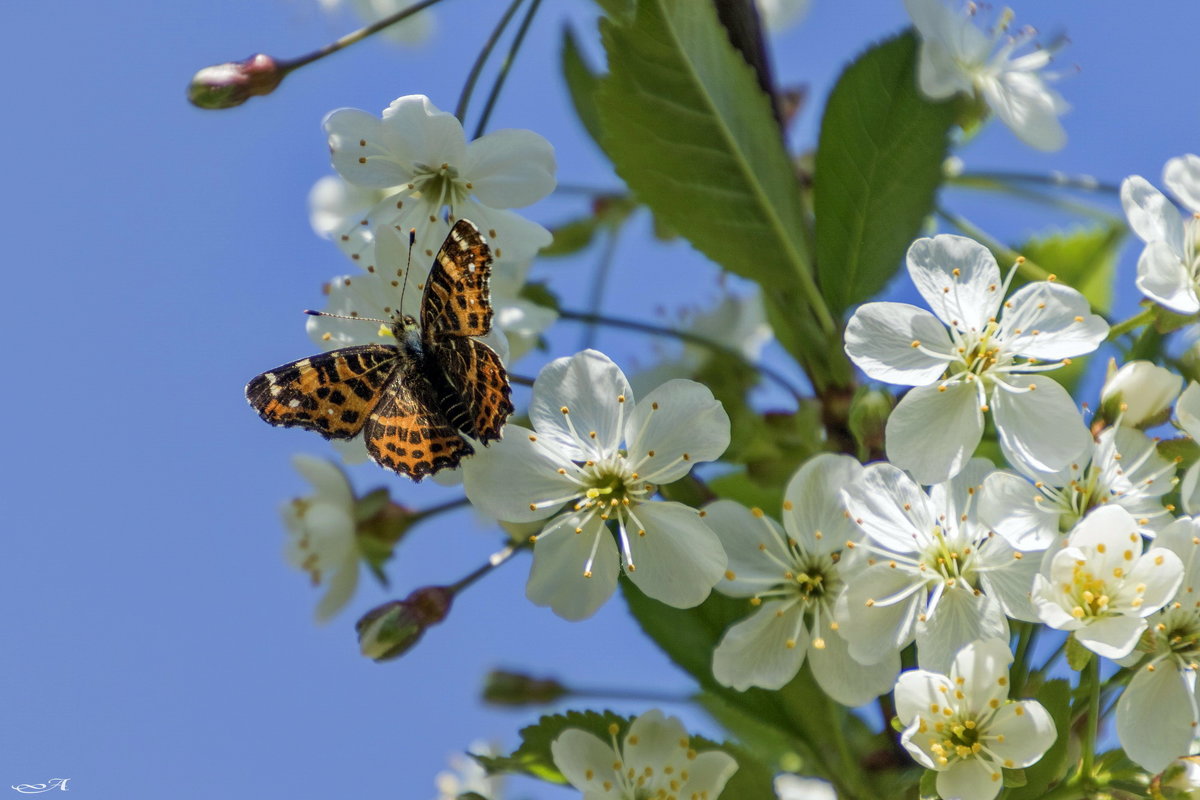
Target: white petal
[708,774]
[431,137]
[329,481]
[959,279]
[1151,215]
[932,433]
[503,479]
[1182,177]
[342,584]
[879,340]
[844,679]
[876,631]
[679,559]
[797,787]
[1156,715]
[1014,508]
[653,741]
[1161,572]
[814,493]
[955,499]
[1182,537]
[1189,489]
[510,168]
[1028,733]
[1039,426]
[1187,409]
[918,691]
[758,556]
[590,386]
[1028,107]
[512,237]
[961,617]
[1166,279]
[334,204]
[1050,321]
[890,508]
[365,152]
[981,669]
[1111,637]
[1109,537]
[755,651]
[1009,579]
[559,557]
[682,424]
[585,761]
[1049,605]
[971,779]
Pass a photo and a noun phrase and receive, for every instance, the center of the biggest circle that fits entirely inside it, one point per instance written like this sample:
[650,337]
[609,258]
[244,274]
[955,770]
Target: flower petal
[1160,572]
[431,137]
[502,480]
[653,741]
[918,691]
[757,553]
[679,559]
[970,779]
[681,423]
[844,679]
[1111,637]
[597,396]
[1182,177]
[365,152]
[877,612]
[813,503]
[1151,215]
[766,649]
[708,773]
[981,671]
[1028,732]
[1165,278]
[960,618]
[879,340]
[1157,714]
[933,430]
[1029,108]
[510,168]
[512,237]
[586,762]
[327,478]
[560,556]
[1014,508]
[1008,577]
[1038,424]
[890,508]
[1050,321]
[959,279]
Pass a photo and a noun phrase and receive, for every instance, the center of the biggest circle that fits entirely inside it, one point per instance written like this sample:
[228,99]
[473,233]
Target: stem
[1026,637]
[287,66]
[850,767]
[464,97]
[1090,678]
[1143,317]
[685,336]
[1027,193]
[494,561]
[433,511]
[1027,268]
[505,67]
[596,298]
[1084,183]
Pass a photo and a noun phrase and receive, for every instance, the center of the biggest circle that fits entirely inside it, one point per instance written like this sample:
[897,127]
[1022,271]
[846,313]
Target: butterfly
[412,401]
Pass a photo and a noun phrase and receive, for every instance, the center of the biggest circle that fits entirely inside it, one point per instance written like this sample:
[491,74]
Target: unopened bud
[1179,781]
[503,688]
[869,410]
[1140,394]
[234,82]
[379,524]
[392,629]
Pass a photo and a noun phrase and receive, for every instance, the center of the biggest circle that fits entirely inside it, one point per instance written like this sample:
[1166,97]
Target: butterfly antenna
[412,241]
[312,313]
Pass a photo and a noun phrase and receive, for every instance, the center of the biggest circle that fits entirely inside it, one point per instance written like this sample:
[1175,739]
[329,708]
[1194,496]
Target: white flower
[1159,710]
[1102,587]
[799,787]
[1168,269]
[1122,467]
[983,362]
[594,457]
[957,57]
[1142,391]
[411,30]
[935,572]
[322,534]
[466,775]
[794,575]
[655,759]
[1187,413]
[963,725]
[421,158]
[1180,780]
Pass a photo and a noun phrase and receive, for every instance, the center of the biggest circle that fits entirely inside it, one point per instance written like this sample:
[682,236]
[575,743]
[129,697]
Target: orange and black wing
[480,401]
[456,301]
[333,393]
[406,432]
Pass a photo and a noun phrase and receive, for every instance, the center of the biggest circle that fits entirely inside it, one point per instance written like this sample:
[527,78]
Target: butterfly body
[411,401]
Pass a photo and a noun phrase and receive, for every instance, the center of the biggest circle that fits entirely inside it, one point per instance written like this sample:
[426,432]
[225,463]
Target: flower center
[1089,592]
[952,559]
[440,185]
[1178,634]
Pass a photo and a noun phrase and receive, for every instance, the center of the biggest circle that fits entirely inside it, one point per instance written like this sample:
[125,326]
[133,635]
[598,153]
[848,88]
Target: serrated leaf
[533,757]
[928,786]
[1055,696]
[1082,258]
[1078,656]
[878,166]
[582,83]
[692,134]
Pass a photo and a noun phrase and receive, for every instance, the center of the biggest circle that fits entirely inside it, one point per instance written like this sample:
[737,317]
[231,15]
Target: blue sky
[158,257]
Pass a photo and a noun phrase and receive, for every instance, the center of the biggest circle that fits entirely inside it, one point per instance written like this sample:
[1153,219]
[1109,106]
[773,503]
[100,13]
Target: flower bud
[392,629]
[234,82]
[503,688]
[1179,781]
[380,524]
[1139,393]
[869,411]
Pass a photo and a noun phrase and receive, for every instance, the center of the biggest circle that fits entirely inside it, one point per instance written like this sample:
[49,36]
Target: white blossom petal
[1166,279]
[587,763]
[961,617]
[1028,731]
[885,626]
[1156,715]
[766,649]
[971,779]
[933,430]
[1012,507]
[510,168]
[1050,321]
[1111,637]
[890,508]
[1029,108]
[589,385]
[679,559]
[1038,424]
[1151,215]
[816,504]
[844,679]
[1182,177]
[503,479]
[959,279]
[681,423]
[430,136]
[560,555]
[879,340]
[755,546]
[365,152]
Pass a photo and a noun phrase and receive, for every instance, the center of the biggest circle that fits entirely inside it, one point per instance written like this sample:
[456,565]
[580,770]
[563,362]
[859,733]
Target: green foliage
[581,84]
[878,167]
[1078,656]
[533,757]
[692,134]
[1055,696]
[1083,258]
[928,786]
[1187,450]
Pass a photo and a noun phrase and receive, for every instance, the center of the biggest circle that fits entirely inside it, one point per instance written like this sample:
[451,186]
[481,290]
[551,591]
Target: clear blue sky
[157,256]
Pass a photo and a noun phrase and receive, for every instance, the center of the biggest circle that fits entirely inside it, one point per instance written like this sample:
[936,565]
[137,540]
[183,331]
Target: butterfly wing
[407,434]
[333,393]
[455,306]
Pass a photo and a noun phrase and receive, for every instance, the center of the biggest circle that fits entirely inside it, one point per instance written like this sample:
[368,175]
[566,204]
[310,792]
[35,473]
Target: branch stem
[502,76]
[464,97]
[289,65]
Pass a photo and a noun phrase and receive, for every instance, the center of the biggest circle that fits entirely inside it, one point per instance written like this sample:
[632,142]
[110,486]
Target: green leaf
[878,167]
[1187,450]
[581,84]
[1083,258]
[1078,656]
[1055,696]
[692,134]
[928,786]
[533,757]
[571,237]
